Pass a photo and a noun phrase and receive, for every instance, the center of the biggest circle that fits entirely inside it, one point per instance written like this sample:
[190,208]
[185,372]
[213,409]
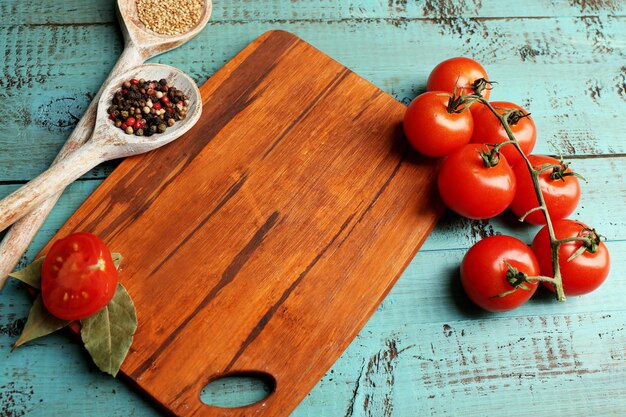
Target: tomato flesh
[483,272]
[472,189]
[78,277]
[582,274]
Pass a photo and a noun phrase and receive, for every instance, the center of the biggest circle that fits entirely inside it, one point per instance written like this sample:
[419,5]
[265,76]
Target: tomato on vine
[582,273]
[436,124]
[558,184]
[488,129]
[78,277]
[475,183]
[494,272]
[460,75]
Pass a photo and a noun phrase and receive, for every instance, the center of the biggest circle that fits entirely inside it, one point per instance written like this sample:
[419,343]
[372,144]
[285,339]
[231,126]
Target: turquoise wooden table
[427,350]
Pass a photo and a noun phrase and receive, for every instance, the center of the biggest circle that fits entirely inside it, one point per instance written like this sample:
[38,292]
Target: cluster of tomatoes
[487,168]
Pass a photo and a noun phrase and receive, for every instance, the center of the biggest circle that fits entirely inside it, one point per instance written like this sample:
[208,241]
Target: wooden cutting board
[264,239]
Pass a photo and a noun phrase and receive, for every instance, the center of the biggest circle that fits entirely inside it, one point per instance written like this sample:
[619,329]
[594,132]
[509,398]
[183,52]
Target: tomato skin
[561,195]
[433,131]
[78,277]
[582,274]
[470,188]
[460,72]
[488,129]
[483,272]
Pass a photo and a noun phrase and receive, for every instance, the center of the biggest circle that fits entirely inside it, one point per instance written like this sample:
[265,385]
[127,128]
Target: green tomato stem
[542,279]
[583,239]
[557,280]
[546,167]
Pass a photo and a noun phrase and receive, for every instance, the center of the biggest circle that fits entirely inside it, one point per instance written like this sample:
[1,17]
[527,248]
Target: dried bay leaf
[39,323]
[108,334]
[30,275]
[117,259]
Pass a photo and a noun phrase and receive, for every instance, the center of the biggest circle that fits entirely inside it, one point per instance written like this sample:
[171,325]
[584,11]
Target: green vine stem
[557,280]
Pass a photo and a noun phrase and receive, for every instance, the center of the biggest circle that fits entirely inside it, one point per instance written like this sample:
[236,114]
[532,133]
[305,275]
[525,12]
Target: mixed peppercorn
[145,108]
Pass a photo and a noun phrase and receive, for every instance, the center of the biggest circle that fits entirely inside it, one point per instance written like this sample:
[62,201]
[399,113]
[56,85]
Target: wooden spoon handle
[49,183]
[20,236]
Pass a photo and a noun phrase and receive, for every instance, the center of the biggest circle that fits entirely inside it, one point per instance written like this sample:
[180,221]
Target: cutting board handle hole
[238,389]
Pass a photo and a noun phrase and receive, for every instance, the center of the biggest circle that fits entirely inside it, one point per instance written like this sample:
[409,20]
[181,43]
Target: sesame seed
[170,17]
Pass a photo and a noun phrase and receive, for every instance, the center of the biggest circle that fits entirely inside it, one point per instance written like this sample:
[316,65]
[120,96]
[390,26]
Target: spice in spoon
[145,108]
[170,17]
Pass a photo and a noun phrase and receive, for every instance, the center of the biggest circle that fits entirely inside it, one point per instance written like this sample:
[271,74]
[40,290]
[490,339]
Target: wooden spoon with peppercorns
[107,142]
[141,43]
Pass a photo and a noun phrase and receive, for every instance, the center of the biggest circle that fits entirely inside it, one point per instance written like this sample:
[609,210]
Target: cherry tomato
[561,192]
[78,277]
[484,273]
[582,274]
[471,188]
[488,129]
[433,130]
[457,72]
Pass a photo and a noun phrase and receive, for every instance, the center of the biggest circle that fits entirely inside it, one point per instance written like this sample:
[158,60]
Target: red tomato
[457,72]
[78,277]
[432,129]
[582,274]
[484,272]
[488,129]
[561,194]
[471,188]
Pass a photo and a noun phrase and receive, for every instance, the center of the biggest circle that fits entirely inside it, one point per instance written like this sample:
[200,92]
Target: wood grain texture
[139,45]
[563,59]
[100,11]
[588,47]
[93,142]
[297,204]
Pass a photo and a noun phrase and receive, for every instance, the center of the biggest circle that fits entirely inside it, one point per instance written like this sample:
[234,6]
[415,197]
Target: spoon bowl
[107,142]
[151,42]
[119,144]
[140,45]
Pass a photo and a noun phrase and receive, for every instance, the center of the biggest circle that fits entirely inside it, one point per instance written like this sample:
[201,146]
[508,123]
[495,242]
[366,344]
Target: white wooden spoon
[107,142]
[140,45]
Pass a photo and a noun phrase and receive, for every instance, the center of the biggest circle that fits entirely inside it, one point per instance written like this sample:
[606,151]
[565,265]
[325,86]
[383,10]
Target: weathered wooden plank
[606,186]
[446,246]
[527,366]
[421,303]
[273,214]
[53,379]
[51,73]
[84,51]
[453,12]
[430,294]
[72,198]
[567,53]
[426,351]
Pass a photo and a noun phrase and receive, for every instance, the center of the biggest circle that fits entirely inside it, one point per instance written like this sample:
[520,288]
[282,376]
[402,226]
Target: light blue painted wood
[51,72]
[99,11]
[427,350]
[605,186]
[441,353]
